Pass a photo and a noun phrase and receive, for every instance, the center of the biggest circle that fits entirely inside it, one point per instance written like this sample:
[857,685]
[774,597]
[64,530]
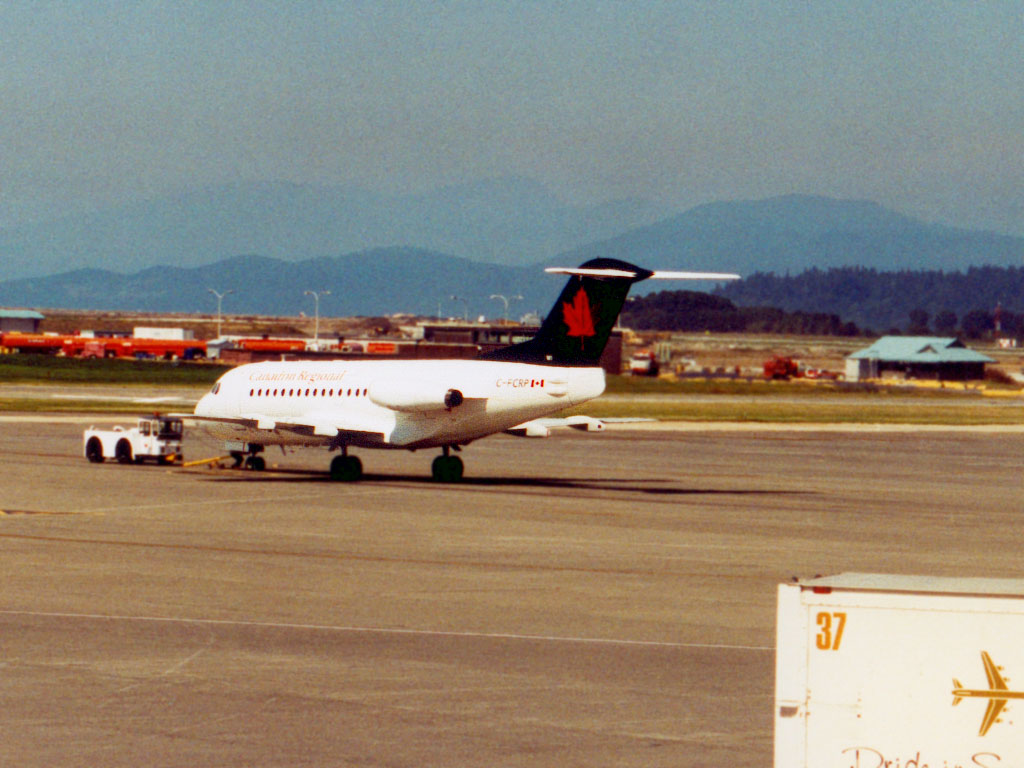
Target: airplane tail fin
[957,687]
[576,330]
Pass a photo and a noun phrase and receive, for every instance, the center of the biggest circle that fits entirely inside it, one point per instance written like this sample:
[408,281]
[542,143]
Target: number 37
[830,634]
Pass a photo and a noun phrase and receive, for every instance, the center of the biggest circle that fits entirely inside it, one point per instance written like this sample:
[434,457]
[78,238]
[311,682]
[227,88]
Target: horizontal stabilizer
[659,275]
[592,272]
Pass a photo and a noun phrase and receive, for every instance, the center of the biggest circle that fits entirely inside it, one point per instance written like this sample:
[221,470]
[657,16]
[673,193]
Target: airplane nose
[203,406]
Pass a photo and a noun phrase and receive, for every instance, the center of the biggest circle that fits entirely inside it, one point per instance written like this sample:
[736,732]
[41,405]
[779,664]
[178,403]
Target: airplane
[446,404]
[997,693]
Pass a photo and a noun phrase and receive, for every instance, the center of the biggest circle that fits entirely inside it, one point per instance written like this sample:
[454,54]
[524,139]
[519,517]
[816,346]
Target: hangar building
[917,357]
[19,321]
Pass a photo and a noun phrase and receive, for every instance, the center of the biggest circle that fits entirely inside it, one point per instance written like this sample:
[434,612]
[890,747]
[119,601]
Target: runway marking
[386,630]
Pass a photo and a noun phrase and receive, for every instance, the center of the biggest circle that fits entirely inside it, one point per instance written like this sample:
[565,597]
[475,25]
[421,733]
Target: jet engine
[413,396]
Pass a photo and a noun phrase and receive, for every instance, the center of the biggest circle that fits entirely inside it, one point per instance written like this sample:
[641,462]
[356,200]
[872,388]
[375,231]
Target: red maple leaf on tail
[578,316]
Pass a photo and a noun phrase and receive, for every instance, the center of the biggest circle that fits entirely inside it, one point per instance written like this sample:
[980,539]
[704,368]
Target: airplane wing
[543,427]
[312,426]
[995,680]
[995,706]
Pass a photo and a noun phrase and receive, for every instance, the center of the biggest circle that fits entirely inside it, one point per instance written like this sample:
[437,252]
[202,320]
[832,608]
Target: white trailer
[165,334]
[877,671]
[156,438]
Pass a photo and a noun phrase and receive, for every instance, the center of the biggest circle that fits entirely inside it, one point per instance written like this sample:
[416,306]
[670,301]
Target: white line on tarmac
[385,630]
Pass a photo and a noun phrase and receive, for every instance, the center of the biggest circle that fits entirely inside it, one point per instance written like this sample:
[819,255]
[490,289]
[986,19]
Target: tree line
[694,311]
[969,303]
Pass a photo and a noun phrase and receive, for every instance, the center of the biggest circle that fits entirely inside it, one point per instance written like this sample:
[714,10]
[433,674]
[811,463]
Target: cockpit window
[216,388]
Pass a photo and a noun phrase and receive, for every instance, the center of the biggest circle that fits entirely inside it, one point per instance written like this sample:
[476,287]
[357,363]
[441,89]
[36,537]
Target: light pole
[506,300]
[465,305]
[316,313]
[220,297]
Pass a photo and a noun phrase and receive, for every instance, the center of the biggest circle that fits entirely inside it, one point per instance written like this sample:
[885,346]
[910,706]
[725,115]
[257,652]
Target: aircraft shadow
[651,487]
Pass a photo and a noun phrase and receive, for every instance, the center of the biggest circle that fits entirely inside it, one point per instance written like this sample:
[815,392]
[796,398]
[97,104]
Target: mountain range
[798,232]
[506,221]
[379,255]
[375,282]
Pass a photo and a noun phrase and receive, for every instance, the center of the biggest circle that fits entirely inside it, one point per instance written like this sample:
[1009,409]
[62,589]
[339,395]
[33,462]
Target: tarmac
[583,600]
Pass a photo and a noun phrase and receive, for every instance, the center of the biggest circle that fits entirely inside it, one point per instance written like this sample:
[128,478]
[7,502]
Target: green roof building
[917,357]
[19,320]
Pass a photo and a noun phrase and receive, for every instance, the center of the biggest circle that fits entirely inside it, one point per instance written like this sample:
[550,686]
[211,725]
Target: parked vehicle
[781,367]
[155,437]
[643,363]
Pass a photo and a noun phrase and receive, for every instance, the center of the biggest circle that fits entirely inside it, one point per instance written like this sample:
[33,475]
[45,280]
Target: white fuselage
[388,403]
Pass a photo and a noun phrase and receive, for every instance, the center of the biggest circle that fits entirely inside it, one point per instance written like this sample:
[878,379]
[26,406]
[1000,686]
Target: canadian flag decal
[577,316]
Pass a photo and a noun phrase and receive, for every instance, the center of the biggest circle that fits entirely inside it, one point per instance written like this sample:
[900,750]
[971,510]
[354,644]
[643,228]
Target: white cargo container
[875,671]
[163,334]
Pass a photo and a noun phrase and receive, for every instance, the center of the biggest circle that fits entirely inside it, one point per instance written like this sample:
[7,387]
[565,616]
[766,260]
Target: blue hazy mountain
[798,232]
[295,232]
[505,221]
[375,282]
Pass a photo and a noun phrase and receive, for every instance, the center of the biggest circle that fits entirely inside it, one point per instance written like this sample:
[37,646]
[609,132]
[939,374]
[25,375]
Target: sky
[918,106]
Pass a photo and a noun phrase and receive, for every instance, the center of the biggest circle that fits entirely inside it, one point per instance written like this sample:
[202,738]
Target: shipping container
[876,671]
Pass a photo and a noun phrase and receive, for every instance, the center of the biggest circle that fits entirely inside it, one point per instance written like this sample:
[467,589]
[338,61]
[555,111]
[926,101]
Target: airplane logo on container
[997,693]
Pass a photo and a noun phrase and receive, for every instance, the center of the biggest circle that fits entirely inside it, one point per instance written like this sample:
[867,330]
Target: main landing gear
[447,468]
[346,469]
[250,458]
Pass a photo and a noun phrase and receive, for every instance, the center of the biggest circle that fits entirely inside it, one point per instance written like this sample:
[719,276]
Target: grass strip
[51,405]
[810,412]
[48,369]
